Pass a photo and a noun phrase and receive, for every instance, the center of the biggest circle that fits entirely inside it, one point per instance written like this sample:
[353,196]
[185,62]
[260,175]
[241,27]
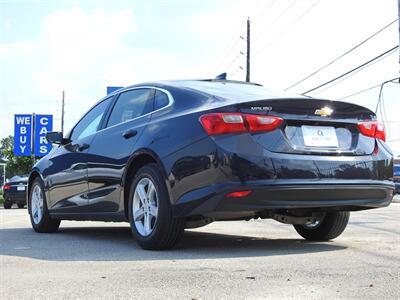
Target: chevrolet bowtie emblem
[324,112]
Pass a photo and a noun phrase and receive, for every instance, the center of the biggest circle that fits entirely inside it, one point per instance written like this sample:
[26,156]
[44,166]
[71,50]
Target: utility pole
[248,51]
[33,138]
[4,173]
[62,112]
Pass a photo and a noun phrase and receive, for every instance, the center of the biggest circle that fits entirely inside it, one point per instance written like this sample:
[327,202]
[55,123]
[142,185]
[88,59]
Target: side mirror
[56,137]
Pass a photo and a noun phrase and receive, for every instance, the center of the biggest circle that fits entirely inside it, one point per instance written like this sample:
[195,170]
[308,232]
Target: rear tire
[38,212]
[163,230]
[329,227]
[7,205]
[21,205]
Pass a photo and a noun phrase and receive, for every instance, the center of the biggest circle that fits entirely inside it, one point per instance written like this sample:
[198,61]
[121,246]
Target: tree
[15,165]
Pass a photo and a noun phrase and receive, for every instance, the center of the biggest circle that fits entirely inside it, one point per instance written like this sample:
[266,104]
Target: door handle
[83,147]
[129,133]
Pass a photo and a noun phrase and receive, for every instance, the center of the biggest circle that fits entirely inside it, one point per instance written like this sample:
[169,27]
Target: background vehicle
[14,191]
[396,177]
[180,154]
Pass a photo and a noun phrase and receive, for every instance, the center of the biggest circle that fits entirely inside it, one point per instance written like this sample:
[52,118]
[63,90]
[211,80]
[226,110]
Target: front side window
[130,105]
[91,121]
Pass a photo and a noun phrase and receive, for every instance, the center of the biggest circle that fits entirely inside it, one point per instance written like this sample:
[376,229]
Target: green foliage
[15,165]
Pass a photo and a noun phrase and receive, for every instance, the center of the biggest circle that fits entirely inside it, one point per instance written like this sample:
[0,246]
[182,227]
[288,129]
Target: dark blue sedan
[165,156]
[14,191]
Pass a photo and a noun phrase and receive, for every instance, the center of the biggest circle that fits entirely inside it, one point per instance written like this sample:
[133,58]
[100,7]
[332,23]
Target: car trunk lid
[313,126]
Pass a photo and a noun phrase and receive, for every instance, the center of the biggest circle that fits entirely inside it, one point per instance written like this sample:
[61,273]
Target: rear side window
[130,105]
[160,100]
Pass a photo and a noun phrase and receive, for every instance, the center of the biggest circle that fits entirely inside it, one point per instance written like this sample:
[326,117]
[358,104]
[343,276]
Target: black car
[14,191]
[171,155]
[396,177]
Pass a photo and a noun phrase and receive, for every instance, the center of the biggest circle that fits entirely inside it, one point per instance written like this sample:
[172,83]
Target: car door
[67,172]
[113,145]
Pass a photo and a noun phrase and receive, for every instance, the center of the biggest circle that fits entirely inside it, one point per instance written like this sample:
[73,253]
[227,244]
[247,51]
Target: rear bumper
[199,182]
[15,197]
[328,195]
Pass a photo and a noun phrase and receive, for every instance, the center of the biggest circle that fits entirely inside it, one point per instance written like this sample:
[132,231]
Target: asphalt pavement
[225,260]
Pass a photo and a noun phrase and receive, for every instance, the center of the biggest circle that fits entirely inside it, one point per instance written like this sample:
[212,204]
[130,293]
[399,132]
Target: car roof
[19,178]
[238,90]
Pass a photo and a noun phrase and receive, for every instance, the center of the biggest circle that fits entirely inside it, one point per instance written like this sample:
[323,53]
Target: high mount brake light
[221,123]
[373,129]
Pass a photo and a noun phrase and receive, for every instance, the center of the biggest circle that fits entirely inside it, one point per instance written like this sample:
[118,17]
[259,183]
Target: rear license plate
[319,136]
[20,188]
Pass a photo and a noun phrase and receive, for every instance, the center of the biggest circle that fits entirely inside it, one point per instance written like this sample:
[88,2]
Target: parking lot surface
[224,260]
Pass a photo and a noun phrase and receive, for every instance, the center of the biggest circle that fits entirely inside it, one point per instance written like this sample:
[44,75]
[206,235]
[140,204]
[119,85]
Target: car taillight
[220,123]
[6,187]
[373,129]
[257,123]
[239,194]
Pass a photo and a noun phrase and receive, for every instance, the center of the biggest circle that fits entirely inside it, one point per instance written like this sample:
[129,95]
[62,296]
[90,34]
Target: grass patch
[1,197]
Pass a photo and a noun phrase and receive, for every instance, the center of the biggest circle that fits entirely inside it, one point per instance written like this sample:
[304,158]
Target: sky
[81,47]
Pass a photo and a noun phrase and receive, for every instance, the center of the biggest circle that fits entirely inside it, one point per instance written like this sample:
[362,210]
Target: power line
[352,74]
[235,39]
[368,89]
[263,12]
[277,37]
[241,53]
[237,70]
[247,52]
[228,52]
[381,105]
[276,20]
[340,56]
[359,92]
[383,112]
[353,70]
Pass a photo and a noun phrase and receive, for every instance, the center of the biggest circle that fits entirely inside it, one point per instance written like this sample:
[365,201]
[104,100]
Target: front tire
[21,205]
[38,212]
[150,215]
[330,226]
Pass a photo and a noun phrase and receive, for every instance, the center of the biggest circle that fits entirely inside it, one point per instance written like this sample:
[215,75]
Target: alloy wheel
[37,204]
[145,206]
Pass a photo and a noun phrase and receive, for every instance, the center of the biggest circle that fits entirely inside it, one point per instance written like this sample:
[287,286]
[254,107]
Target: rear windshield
[236,91]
